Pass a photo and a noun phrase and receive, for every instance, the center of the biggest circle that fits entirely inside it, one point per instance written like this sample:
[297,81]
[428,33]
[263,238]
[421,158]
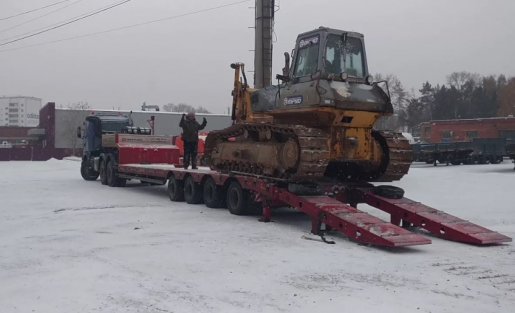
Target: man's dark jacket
[190,129]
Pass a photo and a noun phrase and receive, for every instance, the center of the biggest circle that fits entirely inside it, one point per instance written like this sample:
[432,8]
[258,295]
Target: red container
[144,149]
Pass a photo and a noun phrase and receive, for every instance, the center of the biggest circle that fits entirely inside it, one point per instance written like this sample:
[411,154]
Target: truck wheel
[175,189]
[103,176]
[390,192]
[455,162]
[237,199]
[304,189]
[112,178]
[192,191]
[212,194]
[86,172]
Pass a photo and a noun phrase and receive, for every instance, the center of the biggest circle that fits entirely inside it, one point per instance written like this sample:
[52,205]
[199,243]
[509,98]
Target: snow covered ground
[67,245]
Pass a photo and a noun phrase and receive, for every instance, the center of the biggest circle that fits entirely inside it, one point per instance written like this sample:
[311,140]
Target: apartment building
[19,111]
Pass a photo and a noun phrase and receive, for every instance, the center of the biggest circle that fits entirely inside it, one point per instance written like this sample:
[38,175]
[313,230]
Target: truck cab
[94,127]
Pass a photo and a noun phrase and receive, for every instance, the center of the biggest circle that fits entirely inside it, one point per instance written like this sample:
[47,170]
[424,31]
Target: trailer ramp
[358,225]
[341,217]
[438,223]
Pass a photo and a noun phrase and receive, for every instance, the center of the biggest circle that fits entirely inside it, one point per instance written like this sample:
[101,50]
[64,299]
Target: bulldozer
[317,122]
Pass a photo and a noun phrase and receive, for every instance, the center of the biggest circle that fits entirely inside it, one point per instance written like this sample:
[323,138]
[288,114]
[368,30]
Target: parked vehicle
[465,141]
[109,140]
[477,151]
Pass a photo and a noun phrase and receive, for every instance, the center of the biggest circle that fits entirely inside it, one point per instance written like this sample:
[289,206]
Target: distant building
[19,111]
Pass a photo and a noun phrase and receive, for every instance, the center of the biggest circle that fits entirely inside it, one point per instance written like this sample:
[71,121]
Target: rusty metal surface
[299,153]
[272,150]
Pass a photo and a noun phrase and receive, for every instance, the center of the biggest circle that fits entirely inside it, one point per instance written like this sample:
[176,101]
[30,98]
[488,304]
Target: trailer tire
[390,192]
[212,194]
[112,177]
[304,189]
[175,189]
[102,172]
[87,172]
[192,191]
[455,162]
[237,199]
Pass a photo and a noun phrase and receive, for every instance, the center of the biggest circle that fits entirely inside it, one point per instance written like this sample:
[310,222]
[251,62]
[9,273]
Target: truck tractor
[100,146]
[318,122]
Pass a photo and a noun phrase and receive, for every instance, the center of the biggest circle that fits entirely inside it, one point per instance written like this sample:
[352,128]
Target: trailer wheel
[192,191]
[87,172]
[112,178]
[237,199]
[304,189]
[212,194]
[390,192]
[455,162]
[102,172]
[175,189]
[496,160]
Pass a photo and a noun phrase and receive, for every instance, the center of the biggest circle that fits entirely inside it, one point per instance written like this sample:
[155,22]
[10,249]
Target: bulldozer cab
[329,70]
[329,52]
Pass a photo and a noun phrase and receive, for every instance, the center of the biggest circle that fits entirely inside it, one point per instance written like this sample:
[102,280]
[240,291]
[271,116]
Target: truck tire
[103,176]
[390,192]
[87,172]
[212,194]
[175,189]
[192,191]
[455,161]
[237,199]
[304,189]
[112,177]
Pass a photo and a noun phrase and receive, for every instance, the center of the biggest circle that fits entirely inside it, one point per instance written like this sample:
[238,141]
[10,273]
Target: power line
[52,25]
[130,26]
[33,10]
[66,23]
[38,17]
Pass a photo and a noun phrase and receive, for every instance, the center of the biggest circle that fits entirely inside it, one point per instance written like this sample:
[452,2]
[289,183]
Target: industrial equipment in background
[510,150]
[149,107]
[465,141]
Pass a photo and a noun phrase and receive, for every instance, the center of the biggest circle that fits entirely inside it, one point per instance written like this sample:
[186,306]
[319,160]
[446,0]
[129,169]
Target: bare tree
[400,101]
[169,107]
[460,79]
[184,108]
[507,99]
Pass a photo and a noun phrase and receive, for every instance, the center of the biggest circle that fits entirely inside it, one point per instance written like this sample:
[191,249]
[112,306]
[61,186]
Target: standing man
[190,128]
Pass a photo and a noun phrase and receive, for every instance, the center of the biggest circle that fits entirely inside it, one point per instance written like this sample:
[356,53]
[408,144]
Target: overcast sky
[186,59]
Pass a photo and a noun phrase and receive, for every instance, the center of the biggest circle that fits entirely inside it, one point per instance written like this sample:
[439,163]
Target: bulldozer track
[312,150]
[311,162]
[398,158]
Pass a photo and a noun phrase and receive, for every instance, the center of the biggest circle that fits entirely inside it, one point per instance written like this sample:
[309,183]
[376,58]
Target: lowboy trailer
[333,207]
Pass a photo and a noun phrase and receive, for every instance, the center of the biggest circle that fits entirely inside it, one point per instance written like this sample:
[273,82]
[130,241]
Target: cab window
[345,56]
[307,57]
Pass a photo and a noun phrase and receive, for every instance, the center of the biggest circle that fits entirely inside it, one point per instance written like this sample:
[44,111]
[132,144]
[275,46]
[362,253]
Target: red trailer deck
[335,208]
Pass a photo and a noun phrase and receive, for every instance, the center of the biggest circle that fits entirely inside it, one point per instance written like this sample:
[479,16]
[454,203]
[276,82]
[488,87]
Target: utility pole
[263,43]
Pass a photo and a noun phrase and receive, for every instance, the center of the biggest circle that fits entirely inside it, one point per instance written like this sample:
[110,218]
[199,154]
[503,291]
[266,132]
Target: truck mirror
[79,132]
